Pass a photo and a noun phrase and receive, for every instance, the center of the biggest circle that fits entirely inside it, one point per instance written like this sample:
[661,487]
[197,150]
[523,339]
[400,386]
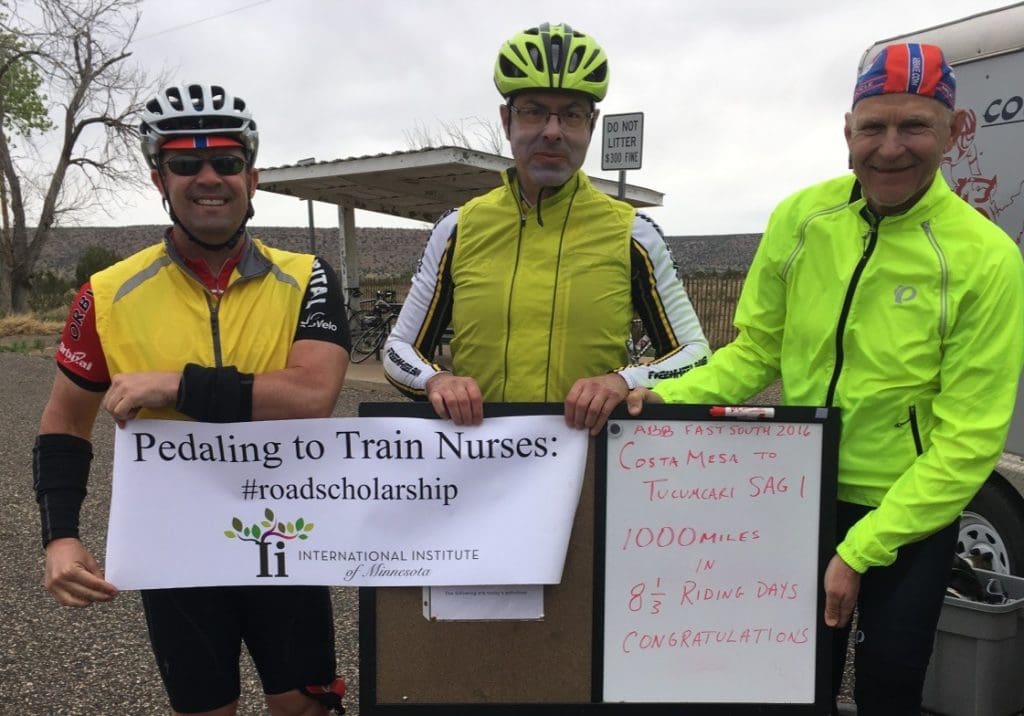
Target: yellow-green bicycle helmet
[552,57]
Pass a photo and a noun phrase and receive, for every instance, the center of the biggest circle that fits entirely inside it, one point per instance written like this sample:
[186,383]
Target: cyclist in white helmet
[209,324]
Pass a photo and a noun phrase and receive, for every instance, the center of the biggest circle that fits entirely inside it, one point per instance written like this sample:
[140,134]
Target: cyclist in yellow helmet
[541,277]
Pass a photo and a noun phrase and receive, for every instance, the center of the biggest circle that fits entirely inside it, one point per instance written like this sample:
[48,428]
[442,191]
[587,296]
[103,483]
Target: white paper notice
[493,602]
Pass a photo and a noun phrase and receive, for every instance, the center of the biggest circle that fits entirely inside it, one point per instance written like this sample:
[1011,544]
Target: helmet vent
[536,58]
[600,73]
[575,58]
[557,54]
[173,124]
[174,99]
[508,69]
[195,96]
[217,97]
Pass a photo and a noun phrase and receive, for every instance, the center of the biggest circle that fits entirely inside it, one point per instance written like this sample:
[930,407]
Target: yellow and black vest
[541,298]
[152,314]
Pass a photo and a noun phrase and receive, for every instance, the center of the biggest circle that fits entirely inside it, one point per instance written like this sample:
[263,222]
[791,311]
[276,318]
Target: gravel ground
[97,660]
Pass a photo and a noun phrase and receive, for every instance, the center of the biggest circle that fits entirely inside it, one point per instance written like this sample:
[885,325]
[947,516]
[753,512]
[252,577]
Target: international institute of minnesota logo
[270,537]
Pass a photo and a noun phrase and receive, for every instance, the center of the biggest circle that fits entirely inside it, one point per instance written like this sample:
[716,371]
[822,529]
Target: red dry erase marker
[741,411]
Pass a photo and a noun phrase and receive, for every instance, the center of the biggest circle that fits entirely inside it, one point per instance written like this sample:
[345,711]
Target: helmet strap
[227,245]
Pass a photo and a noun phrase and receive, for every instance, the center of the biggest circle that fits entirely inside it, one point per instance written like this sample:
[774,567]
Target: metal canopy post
[348,268]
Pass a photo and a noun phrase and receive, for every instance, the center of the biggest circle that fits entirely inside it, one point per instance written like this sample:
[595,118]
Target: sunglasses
[188,165]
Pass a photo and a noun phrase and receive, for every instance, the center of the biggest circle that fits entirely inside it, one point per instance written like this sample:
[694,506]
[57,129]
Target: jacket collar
[550,198]
[251,260]
[920,212]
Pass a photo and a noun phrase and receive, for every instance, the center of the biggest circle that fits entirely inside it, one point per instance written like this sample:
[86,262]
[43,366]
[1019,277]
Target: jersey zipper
[869,248]
[508,309]
[555,287]
[214,305]
[213,301]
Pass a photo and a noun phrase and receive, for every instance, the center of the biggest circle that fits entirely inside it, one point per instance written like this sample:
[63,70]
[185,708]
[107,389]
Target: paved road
[94,661]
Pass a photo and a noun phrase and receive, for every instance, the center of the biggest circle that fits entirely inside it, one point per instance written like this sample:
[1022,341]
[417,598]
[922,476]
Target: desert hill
[382,251]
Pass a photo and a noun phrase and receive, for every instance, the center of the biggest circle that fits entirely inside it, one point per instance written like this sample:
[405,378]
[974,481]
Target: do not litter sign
[622,141]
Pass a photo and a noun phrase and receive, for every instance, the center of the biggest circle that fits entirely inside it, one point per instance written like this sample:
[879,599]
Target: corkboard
[409,665]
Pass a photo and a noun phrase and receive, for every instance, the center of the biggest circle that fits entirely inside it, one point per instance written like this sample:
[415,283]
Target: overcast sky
[743,102]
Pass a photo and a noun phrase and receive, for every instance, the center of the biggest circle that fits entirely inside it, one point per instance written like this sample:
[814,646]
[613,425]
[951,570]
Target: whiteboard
[715,536]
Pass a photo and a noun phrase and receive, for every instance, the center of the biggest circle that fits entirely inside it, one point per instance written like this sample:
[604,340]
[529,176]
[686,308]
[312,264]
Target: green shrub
[51,292]
[93,259]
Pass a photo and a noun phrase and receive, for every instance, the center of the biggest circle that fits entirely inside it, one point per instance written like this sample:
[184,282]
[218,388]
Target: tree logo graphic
[268,534]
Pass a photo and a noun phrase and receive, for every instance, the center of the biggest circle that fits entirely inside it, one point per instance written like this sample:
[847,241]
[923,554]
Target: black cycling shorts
[897,613]
[197,633]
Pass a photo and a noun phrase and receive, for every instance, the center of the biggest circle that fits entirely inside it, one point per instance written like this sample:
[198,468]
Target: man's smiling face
[896,143]
[211,205]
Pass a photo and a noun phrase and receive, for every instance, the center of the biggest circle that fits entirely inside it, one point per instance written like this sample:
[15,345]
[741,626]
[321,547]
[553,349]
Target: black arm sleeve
[60,471]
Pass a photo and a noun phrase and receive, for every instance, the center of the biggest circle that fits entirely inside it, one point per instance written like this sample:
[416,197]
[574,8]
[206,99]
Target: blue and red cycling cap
[909,68]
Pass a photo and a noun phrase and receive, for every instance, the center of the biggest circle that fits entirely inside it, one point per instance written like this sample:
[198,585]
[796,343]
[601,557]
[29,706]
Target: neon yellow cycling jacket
[912,325]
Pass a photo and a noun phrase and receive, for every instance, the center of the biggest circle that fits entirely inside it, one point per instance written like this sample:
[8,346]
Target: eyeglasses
[188,165]
[537,116]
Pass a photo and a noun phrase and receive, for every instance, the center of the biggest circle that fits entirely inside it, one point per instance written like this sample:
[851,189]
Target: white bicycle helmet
[192,110]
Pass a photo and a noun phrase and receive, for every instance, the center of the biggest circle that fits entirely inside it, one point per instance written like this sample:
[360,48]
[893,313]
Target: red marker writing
[740,411]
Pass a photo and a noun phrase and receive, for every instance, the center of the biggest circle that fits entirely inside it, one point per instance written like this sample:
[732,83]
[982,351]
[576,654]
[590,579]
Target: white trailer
[986,168]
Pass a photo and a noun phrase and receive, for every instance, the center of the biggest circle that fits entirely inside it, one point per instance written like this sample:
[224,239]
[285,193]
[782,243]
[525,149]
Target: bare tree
[486,136]
[80,50]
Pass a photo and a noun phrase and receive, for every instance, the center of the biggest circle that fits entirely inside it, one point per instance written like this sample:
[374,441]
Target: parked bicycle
[638,345]
[353,311]
[370,328]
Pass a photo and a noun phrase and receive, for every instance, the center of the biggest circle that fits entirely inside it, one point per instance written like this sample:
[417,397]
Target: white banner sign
[343,501]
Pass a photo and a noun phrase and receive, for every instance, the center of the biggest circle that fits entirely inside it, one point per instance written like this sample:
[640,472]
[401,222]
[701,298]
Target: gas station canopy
[420,184]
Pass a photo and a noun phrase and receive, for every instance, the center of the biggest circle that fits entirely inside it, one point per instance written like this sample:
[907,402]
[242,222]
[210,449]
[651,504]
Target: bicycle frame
[373,326]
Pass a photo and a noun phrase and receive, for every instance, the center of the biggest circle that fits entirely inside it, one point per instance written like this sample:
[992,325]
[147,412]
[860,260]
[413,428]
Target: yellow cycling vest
[152,314]
[541,299]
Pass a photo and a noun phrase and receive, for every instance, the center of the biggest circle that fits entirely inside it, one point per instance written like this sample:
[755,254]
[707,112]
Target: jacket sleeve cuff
[851,558]
[861,549]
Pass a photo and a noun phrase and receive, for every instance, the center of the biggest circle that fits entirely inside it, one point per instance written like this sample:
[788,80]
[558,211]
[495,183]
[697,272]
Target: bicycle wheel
[369,342]
[356,327]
